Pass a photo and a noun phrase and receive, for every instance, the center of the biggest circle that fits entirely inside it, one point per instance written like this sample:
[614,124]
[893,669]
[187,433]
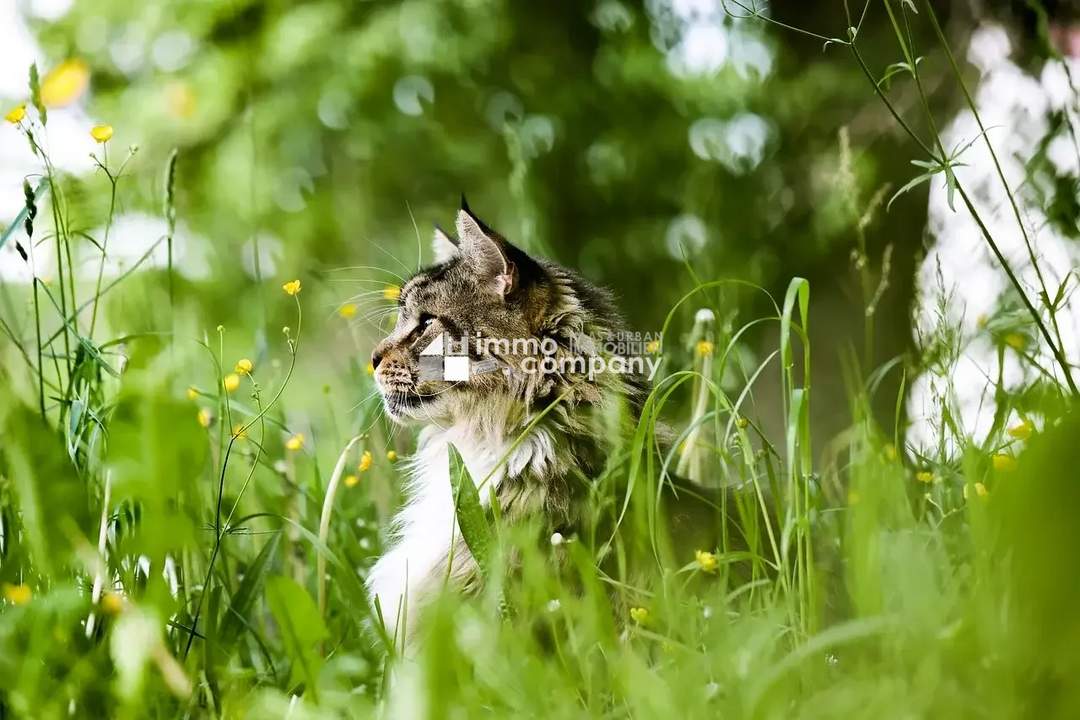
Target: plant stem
[1004,182]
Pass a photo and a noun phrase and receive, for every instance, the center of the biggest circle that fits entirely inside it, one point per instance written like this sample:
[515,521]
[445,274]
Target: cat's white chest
[425,525]
[424,528]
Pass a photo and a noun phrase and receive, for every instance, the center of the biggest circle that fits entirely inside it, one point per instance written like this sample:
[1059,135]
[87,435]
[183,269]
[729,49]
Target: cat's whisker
[368,267]
[393,257]
[419,243]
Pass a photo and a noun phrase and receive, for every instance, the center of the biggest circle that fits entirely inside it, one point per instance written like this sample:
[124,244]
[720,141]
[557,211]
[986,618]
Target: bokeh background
[653,146]
[648,144]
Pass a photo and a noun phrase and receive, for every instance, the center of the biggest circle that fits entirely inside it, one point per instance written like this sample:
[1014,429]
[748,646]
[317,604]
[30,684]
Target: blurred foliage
[332,125]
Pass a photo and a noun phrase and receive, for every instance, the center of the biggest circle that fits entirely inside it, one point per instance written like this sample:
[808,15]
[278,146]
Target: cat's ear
[486,252]
[444,246]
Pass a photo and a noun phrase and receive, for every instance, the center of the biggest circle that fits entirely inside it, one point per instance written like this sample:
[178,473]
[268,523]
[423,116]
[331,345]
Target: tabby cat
[481,286]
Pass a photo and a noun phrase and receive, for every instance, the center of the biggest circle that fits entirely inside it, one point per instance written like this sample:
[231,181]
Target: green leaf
[910,185]
[17,223]
[470,514]
[35,94]
[301,628]
[236,618]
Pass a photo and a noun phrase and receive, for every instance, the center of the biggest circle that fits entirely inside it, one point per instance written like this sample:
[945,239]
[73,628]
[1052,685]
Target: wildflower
[292,287]
[112,603]
[391,292]
[351,480]
[554,605]
[706,561]
[231,382]
[557,539]
[742,423]
[981,321]
[16,114]
[369,369]
[365,462]
[889,451]
[180,99]
[17,594]
[65,83]
[243,367]
[639,615]
[391,456]
[192,394]
[924,476]
[295,442]
[704,348]
[1004,463]
[101,133]
[980,490]
[1016,341]
[652,347]
[205,417]
[347,311]
[1022,431]
[239,431]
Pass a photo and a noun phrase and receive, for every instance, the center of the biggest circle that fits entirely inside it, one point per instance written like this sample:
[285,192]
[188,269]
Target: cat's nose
[376,358]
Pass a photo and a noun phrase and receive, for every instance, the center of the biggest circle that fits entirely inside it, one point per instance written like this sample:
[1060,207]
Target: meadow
[196,473]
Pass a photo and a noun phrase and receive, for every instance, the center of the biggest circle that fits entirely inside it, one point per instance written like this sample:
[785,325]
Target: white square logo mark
[456,368]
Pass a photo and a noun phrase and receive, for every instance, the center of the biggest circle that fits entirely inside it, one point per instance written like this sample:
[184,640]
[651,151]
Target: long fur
[485,417]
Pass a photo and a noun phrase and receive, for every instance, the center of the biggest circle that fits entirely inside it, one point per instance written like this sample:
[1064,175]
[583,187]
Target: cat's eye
[425,320]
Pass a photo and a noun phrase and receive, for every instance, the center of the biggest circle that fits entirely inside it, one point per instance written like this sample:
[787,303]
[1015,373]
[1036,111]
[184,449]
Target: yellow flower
[982,320]
[292,287]
[348,310]
[370,369]
[112,603]
[652,347]
[703,348]
[205,417]
[1016,341]
[391,456]
[351,480]
[17,594]
[706,561]
[102,133]
[16,114]
[365,461]
[1004,463]
[295,442]
[243,367]
[232,382]
[924,476]
[239,432]
[180,100]
[1022,431]
[192,394]
[890,452]
[65,83]
[742,422]
[980,490]
[391,292]
[639,615]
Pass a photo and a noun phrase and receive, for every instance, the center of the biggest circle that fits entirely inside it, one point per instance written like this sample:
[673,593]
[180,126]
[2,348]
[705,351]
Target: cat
[536,313]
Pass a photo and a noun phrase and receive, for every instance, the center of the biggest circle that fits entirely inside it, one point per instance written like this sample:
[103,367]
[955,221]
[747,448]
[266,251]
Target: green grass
[887,583]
